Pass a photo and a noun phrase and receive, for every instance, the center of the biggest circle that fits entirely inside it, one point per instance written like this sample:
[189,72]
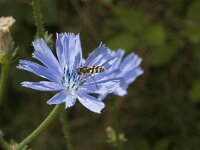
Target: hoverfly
[90,70]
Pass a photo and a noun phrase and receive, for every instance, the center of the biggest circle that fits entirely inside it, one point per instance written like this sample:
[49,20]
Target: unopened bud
[6,42]
[5,33]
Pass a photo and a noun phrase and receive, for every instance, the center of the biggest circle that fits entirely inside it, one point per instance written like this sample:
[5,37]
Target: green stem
[4,144]
[66,131]
[3,80]
[57,109]
[85,20]
[38,18]
[115,123]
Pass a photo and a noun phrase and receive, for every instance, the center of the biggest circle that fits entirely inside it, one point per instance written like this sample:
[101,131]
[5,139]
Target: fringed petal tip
[21,63]
[40,40]
[67,34]
[24,83]
[119,53]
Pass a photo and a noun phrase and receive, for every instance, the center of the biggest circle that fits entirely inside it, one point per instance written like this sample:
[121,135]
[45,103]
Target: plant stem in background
[3,80]
[85,20]
[115,123]
[57,109]
[38,18]
[66,130]
[3,143]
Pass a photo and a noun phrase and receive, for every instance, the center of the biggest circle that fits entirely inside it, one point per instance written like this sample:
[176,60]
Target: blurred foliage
[114,138]
[162,109]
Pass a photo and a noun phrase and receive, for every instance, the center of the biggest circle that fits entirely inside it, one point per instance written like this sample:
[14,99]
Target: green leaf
[130,18]
[125,41]
[194,92]
[162,55]
[155,35]
[193,11]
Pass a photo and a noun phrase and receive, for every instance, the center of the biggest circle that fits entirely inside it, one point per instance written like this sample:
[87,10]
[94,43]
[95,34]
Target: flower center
[71,80]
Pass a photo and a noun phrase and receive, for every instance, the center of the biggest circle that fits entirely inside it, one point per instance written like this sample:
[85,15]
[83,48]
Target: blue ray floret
[61,72]
[130,70]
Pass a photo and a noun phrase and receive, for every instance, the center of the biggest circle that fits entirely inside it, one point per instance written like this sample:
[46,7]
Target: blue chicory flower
[63,76]
[130,70]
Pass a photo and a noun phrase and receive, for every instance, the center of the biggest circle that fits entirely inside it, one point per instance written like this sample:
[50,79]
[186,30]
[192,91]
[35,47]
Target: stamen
[71,79]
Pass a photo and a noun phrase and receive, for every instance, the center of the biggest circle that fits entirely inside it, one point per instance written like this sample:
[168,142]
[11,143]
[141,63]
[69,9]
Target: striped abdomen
[93,69]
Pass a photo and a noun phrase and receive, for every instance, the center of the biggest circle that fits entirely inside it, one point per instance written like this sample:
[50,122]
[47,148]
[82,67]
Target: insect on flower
[89,70]
[68,72]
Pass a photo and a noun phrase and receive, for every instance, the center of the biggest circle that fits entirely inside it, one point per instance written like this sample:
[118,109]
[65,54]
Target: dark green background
[162,109]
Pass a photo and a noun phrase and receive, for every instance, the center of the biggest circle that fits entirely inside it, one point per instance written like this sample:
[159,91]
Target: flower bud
[6,42]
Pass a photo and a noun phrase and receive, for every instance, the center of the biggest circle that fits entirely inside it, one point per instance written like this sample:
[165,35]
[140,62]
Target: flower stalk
[66,130]
[3,80]
[115,122]
[53,114]
[38,18]
[116,138]
[6,51]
